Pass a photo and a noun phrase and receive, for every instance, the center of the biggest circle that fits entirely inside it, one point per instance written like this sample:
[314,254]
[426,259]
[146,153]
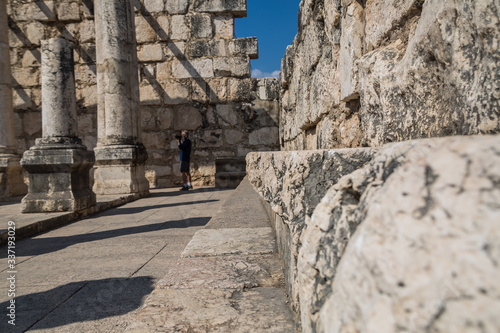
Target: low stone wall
[294,183]
[407,242]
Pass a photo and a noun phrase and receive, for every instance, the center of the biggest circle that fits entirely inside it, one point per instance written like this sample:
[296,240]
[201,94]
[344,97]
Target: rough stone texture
[120,155]
[412,240]
[215,310]
[294,183]
[188,57]
[213,242]
[379,72]
[11,177]
[58,165]
[227,272]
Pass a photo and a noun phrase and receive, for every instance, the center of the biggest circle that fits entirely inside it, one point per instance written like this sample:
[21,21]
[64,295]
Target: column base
[58,179]
[11,176]
[120,169]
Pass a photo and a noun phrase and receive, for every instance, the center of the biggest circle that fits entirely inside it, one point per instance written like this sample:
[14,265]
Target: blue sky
[274,23]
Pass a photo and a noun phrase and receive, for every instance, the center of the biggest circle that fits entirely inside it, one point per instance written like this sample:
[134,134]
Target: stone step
[228,279]
[228,179]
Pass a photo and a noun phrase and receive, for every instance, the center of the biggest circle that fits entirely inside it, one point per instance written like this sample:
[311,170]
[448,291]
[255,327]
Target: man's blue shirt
[185,150]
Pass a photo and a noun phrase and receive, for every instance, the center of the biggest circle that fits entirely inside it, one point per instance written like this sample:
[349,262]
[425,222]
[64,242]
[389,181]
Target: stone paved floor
[92,275]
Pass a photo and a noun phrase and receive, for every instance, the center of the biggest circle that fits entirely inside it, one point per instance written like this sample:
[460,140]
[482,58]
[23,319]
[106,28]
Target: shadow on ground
[134,210]
[76,302]
[38,246]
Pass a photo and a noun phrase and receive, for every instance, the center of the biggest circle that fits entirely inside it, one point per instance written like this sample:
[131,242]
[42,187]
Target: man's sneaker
[184,188]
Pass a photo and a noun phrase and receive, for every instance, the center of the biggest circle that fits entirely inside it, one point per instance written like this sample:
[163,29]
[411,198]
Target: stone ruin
[192,74]
[386,191]
[385,194]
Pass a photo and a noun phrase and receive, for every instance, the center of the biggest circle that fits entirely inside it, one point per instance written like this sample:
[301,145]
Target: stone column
[58,164]
[11,173]
[120,155]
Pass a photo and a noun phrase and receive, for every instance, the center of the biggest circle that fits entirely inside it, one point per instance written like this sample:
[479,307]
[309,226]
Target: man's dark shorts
[184,166]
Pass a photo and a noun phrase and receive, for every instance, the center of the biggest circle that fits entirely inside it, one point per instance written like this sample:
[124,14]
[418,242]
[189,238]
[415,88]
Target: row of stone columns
[58,165]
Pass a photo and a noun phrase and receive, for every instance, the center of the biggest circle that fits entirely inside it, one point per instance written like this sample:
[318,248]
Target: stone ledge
[238,8]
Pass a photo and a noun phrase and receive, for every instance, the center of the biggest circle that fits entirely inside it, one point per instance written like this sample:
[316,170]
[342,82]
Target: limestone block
[85,74]
[351,49]
[87,96]
[144,32]
[68,11]
[43,11]
[154,6]
[294,183]
[149,95]
[241,89]
[417,275]
[211,48]
[175,92]
[155,140]
[58,179]
[165,117]
[248,46]
[238,67]
[210,139]
[224,26]
[267,136]
[21,99]
[25,77]
[332,20]
[380,18]
[87,31]
[218,90]
[179,28]
[201,26]
[177,6]
[35,32]
[254,310]
[217,242]
[184,69]
[176,49]
[163,71]
[234,136]
[187,118]
[163,27]
[29,59]
[268,89]
[151,52]
[238,8]
[427,88]
[227,113]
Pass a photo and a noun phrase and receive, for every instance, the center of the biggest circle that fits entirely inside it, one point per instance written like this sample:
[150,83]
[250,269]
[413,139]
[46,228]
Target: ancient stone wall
[365,73]
[398,236]
[193,75]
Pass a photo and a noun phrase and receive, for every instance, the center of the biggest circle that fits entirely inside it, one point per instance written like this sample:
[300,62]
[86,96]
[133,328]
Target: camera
[178,137]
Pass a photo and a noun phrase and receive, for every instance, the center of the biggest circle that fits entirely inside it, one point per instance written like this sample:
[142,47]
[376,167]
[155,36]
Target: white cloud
[257,73]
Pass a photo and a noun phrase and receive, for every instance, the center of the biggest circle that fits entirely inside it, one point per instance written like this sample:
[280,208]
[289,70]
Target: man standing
[185,154]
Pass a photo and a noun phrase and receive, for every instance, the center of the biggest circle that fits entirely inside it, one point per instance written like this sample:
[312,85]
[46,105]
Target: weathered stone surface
[59,118]
[238,8]
[294,183]
[238,67]
[187,118]
[224,26]
[228,272]
[194,68]
[248,46]
[151,53]
[179,28]
[201,26]
[216,242]
[177,6]
[425,218]
[403,69]
[219,310]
